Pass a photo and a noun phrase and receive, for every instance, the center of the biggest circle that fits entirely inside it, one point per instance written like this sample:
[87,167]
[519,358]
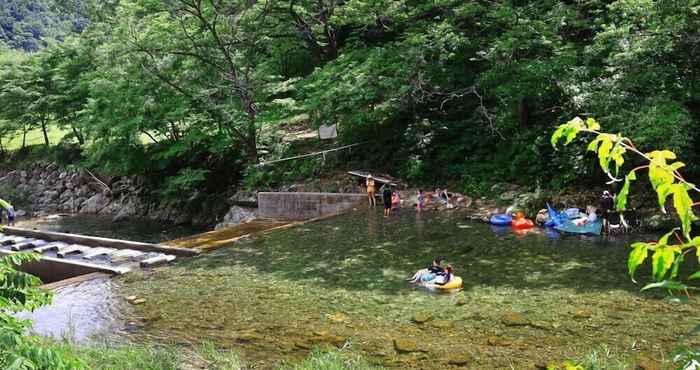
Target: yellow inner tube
[455,283]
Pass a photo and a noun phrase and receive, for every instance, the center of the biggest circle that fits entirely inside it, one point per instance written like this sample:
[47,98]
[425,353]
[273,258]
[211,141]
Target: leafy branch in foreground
[667,254]
[19,291]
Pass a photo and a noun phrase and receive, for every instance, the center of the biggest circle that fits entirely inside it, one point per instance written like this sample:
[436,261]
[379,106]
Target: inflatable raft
[522,224]
[592,228]
[501,219]
[455,283]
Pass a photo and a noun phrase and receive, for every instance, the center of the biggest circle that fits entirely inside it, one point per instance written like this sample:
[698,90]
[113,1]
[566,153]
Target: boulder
[508,195]
[95,204]
[51,195]
[237,215]
[660,222]
[244,198]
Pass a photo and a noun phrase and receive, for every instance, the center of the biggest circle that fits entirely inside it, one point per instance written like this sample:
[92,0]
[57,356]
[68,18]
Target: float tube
[455,283]
[592,228]
[522,223]
[501,219]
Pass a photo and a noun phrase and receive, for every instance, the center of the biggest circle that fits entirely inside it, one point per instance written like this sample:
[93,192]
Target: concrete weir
[304,206]
[65,256]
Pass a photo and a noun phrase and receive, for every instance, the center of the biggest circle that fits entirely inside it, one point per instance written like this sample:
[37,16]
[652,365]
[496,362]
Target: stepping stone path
[107,257]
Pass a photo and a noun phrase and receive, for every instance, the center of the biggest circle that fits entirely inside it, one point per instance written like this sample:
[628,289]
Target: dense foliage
[31,24]
[190,93]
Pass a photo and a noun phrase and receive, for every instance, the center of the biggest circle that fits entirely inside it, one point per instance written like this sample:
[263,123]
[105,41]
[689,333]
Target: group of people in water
[392,200]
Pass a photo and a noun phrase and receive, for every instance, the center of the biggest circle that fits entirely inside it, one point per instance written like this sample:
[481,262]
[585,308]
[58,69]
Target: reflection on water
[136,230]
[81,311]
[528,298]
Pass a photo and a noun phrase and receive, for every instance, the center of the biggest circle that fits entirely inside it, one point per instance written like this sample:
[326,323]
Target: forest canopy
[196,91]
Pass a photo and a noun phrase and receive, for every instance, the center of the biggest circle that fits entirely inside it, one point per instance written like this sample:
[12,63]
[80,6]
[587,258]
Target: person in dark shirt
[607,205]
[435,268]
[386,197]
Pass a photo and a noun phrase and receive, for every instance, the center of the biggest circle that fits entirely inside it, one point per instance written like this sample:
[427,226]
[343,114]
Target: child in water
[444,277]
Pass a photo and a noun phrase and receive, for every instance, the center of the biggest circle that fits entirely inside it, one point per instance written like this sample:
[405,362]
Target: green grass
[152,357]
[332,360]
[36,137]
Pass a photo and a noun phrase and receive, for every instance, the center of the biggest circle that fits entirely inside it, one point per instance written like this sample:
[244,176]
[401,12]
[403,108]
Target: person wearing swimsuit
[370,191]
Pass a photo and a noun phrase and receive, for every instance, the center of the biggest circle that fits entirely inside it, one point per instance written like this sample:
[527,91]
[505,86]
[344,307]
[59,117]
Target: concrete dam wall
[304,206]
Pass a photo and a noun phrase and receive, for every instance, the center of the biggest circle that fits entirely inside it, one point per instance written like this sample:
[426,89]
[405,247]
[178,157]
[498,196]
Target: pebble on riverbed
[135,300]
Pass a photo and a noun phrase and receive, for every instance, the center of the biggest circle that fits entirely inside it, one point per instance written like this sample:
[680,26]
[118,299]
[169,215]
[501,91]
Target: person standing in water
[9,210]
[421,201]
[386,198]
[370,191]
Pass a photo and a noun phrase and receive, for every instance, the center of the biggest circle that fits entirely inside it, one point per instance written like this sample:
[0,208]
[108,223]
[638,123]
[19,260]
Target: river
[528,299]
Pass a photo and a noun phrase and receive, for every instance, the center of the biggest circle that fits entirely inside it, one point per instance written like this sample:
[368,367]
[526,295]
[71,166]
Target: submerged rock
[459,360]
[514,319]
[422,318]
[441,324]
[583,314]
[646,363]
[406,346]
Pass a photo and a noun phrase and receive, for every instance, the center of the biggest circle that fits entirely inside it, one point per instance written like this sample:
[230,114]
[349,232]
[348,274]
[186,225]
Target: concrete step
[13,240]
[28,245]
[127,255]
[157,260]
[71,249]
[50,247]
[96,252]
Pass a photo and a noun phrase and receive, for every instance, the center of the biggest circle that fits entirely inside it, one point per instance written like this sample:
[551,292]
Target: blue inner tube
[501,219]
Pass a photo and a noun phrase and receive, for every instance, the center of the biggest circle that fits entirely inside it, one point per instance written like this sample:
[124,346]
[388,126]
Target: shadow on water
[365,251]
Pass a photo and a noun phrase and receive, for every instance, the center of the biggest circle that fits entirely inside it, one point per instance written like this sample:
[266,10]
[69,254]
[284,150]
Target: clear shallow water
[93,309]
[81,312]
[136,230]
[528,299]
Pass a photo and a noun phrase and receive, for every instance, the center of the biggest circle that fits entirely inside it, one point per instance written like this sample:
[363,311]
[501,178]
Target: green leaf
[662,260]
[617,155]
[558,133]
[659,171]
[621,203]
[637,256]
[663,241]
[593,145]
[592,124]
[606,145]
[684,207]
[694,276]
[668,284]
[662,192]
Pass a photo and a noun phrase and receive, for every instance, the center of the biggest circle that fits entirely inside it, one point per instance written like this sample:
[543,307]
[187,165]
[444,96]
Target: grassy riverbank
[152,357]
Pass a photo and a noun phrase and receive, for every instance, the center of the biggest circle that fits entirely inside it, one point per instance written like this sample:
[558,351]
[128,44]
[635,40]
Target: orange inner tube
[522,223]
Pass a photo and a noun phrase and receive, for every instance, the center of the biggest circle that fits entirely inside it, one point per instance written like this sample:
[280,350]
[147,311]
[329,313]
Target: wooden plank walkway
[219,238]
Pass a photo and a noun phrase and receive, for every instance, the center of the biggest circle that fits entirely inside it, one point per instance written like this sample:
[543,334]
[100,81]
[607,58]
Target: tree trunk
[78,135]
[46,135]
[24,138]
[523,112]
